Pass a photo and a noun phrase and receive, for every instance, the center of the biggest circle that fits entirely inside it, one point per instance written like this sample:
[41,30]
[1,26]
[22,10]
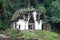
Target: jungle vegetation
[51,9]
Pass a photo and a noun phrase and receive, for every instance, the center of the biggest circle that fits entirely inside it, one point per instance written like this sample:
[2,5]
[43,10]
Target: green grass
[39,34]
[46,35]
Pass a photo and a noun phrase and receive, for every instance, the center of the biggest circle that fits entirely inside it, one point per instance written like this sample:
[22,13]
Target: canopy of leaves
[54,12]
[41,7]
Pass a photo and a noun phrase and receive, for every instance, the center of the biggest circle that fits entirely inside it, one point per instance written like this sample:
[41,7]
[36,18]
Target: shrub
[27,34]
[11,32]
[41,35]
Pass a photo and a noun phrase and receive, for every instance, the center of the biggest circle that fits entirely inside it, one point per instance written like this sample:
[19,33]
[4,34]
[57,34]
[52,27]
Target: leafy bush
[20,34]
[11,32]
[28,34]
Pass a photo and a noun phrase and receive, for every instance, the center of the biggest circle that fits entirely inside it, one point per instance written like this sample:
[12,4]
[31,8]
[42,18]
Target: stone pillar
[13,25]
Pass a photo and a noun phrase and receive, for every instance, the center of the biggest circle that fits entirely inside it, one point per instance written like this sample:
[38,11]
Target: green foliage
[2,25]
[11,32]
[20,34]
[54,11]
[51,8]
[45,35]
[27,34]
[41,7]
[47,2]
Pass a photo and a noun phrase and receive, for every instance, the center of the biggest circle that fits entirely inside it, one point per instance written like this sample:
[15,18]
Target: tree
[41,7]
[54,12]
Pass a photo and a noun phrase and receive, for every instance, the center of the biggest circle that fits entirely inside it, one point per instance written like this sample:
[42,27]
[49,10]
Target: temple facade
[28,19]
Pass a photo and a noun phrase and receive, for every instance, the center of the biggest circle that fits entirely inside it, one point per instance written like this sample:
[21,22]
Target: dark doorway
[31,23]
[42,26]
[19,26]
[31,26]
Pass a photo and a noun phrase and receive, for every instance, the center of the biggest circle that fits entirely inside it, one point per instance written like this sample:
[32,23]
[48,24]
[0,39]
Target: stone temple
[29,19]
